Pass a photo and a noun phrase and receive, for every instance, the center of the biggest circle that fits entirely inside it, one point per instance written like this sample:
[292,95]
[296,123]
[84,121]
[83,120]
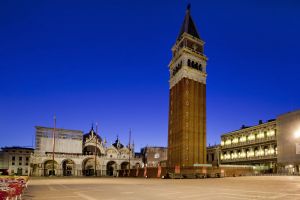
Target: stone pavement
[259,187]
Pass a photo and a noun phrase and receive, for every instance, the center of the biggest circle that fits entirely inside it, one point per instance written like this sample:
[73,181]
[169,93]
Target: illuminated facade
[272,147]
[288,141]
[255,145]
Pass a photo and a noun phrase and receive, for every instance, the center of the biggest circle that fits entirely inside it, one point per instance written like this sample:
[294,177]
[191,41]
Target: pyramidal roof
[188,25]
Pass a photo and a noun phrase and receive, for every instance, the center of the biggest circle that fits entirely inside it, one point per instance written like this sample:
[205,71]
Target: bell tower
[187,100]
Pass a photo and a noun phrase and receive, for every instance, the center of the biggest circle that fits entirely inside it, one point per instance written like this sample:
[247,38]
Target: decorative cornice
[245,131]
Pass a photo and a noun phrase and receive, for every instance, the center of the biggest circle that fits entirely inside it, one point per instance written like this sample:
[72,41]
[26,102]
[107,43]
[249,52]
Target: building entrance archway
[125,165]
[68,167]
[125,168]
[111,168]
[48,168]
[89,167]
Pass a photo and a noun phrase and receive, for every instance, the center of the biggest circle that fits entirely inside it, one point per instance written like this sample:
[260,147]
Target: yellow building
[255,145]
[272,146]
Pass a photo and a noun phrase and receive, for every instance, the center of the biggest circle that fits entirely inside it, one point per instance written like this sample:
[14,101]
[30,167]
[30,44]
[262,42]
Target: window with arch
[200,67]
[195,65]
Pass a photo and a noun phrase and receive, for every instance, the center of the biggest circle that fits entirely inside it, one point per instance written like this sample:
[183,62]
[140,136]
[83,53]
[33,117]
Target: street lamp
[297,133]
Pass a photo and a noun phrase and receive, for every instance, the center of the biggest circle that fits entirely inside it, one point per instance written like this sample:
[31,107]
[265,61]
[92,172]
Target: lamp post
[297,133]
[95,173]
[129,146]
[53,146]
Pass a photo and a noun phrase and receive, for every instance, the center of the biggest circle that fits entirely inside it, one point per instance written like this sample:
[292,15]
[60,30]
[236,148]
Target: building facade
[255,145]
[271,147]
[78,154]
[154,156]
[288,142]
[15,160]
[187,101]
[213,155]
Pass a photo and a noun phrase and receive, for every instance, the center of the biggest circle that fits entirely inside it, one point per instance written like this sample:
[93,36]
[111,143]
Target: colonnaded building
[271,147]
[78,154]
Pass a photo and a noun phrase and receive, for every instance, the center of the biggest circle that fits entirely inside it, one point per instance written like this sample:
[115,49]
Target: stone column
[42,171]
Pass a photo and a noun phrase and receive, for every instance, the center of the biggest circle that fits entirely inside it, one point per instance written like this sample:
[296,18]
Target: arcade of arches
[68,167]
[109,160]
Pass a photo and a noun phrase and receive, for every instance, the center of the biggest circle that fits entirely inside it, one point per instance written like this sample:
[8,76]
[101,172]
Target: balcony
[251,142]
[194,51]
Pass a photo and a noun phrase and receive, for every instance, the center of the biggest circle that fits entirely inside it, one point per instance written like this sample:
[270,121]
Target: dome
[118,144]
[91,133]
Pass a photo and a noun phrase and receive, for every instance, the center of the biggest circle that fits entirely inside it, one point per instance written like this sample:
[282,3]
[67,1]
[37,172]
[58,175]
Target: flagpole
[53,150]
[129,150]
[96,138]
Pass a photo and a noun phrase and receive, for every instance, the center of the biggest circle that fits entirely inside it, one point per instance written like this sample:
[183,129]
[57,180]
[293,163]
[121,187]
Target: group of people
[12,188]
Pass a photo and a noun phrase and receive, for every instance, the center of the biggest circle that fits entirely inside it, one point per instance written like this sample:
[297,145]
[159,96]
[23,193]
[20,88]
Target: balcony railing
[250,158]
[195,51]
[249,142]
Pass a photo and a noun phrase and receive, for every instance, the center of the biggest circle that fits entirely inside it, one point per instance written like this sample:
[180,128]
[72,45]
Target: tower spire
[92,129]
[188,7]
[188,25]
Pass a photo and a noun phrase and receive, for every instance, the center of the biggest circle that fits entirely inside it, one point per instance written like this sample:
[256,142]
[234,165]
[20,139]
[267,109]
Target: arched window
[247,153]
[200,67]
[189,62]
[196,66]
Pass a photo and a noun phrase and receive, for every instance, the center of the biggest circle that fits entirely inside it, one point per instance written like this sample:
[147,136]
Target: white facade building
[78,154]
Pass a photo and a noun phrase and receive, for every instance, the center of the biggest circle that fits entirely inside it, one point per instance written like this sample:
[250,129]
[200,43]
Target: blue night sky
[106,62]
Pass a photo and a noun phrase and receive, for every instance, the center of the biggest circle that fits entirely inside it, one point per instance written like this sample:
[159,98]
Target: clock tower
[187,101]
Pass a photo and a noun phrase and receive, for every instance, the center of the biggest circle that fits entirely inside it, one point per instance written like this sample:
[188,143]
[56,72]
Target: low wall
[158,172]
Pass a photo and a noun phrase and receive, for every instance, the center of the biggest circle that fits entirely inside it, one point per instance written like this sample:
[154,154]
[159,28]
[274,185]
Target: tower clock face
[156,155]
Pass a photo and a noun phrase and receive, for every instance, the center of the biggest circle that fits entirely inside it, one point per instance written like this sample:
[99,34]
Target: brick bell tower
[187,101]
